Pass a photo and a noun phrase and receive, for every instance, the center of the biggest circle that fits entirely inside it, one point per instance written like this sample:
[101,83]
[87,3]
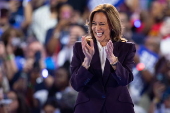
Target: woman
[18,104]
[102,69]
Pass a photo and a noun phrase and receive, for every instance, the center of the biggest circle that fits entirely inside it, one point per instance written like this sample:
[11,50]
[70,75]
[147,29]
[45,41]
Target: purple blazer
[109,89]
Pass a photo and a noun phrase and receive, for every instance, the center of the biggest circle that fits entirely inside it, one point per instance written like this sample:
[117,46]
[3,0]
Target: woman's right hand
[88,50]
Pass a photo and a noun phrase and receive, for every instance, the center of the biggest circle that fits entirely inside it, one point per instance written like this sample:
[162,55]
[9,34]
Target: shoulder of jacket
[126,43]
[77,44]
[130,43]
[126,46]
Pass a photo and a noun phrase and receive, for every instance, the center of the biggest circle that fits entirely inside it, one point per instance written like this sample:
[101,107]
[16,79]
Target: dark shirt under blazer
[109,89]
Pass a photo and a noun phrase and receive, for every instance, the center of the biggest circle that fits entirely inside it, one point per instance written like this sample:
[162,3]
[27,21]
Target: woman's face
[66,12]
[49,109]
[100,27]
[61,78]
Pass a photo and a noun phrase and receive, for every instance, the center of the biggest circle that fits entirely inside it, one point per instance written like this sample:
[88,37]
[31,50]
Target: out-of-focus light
[140,66]
[137,23]
[45,73]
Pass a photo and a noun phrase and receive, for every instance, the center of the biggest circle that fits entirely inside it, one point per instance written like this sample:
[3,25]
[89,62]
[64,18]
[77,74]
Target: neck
[104,42]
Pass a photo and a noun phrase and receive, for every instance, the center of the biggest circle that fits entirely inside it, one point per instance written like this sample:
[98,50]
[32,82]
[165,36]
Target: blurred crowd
[36,42]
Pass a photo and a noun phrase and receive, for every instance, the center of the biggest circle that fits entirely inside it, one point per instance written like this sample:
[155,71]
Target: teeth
[99,34]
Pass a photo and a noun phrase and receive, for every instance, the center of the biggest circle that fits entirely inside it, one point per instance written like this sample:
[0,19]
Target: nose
[98,27]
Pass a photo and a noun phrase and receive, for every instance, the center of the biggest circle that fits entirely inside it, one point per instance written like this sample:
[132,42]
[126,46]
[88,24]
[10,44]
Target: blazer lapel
[106,72]
[108,67]
[95,65]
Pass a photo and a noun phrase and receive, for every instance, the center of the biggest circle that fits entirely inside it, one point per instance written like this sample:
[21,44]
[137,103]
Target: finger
[91,43]
[85,52]
[83,38]
[110,45]
[83,41]
[83,45]
[107,52]
[86,48]
[109,48]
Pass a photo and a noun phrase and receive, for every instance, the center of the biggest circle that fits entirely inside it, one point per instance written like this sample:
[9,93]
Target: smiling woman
[100,28]
[102,69]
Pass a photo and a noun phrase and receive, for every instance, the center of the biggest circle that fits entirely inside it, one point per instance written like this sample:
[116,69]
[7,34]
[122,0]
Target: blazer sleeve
[80,76]
[123,73]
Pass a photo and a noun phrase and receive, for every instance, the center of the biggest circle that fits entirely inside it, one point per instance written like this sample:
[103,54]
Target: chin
[99,38]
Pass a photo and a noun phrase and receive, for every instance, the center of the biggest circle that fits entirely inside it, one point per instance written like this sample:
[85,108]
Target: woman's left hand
[109,52]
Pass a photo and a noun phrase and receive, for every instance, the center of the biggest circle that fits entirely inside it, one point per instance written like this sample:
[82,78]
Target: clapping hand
[109,52]
[88,50]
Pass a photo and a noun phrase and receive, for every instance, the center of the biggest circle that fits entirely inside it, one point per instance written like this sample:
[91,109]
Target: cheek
[30,53]
[93,29]
[107,32]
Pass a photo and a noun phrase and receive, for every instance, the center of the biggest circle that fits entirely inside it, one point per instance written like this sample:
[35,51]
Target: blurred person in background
[165,41]
[18,104]
[62,92]
[61,82]
[41,23]
[20,82]
[20,13]
[50,106]
[28,10]
[157,13]
[4,84]
[126,25]
[33,68]
[81,9]
[13,54]
[34,61]
[30,51]
[4,19]
[160,94]
[145,59]
[58,35]
[65,54]
[36,4]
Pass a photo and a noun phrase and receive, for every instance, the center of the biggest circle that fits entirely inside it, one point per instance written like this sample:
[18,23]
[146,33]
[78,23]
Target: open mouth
[99,34]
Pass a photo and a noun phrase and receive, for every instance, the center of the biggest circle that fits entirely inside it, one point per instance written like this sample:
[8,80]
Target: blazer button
[103,96]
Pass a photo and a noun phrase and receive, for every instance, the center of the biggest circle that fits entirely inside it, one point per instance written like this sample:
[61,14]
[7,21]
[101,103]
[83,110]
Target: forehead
[100,17]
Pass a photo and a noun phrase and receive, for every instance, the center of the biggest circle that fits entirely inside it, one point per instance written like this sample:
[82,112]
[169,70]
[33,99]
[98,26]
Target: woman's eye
[93,23]
[102,24]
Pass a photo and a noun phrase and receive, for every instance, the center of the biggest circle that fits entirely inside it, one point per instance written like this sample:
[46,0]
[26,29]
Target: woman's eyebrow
[101,22]
[98,22]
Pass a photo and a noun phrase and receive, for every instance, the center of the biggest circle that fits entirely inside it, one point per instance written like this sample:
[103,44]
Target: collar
[99,45]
